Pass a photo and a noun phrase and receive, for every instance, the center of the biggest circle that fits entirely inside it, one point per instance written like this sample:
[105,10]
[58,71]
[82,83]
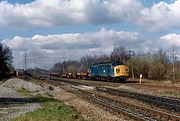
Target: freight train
[108,71]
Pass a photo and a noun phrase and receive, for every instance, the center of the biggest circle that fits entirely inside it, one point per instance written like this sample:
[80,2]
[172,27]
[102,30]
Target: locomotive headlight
[126,70]
[117,70]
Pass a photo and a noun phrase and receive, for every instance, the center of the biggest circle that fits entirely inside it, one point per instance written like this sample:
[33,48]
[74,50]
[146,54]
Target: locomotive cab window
[115,63]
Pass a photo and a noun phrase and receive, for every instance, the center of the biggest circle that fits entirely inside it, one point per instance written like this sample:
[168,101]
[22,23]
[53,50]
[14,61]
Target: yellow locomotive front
[121,71]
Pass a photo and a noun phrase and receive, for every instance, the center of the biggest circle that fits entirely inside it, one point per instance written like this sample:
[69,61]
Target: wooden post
[17,73]
[140,81]
[132,73]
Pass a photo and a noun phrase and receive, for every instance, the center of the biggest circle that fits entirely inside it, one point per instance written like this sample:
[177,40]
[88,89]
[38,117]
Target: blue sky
[54,30]
[19,1]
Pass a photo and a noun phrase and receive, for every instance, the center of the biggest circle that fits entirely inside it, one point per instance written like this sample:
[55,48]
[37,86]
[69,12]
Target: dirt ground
[160,88]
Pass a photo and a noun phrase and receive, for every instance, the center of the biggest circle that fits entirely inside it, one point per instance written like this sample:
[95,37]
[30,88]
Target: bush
[157,71]
[139,65]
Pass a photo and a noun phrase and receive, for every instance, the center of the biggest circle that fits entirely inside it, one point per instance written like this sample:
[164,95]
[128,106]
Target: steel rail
[170,104]
[132,110]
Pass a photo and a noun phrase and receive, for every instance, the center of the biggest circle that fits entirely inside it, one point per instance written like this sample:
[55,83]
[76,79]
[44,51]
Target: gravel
[83,87]
[17,84]
[12,112]
[9,92]
[126,87]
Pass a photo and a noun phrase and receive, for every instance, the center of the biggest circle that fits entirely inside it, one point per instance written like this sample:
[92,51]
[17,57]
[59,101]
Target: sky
[49,31]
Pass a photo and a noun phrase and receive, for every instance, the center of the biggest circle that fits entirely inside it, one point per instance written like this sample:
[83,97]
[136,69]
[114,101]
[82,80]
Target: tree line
[154,66]
[160,65]
[5,61]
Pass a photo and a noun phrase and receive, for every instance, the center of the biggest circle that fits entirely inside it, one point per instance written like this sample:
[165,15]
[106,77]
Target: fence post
[140,78]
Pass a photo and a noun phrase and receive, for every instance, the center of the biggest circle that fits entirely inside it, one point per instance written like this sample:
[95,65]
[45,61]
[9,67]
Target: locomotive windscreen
[115,63]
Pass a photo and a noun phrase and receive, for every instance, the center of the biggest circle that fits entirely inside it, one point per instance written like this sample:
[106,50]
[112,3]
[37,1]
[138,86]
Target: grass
[52,110]
[30,94]
[24,92]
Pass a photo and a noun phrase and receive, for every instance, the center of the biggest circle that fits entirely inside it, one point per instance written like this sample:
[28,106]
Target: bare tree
[120,54]
[138,65]
[158,66]
[86,61]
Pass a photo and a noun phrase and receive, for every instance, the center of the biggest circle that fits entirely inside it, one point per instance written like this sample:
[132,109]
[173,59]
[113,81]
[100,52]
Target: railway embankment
[21,100]
[12,102]
[26,100]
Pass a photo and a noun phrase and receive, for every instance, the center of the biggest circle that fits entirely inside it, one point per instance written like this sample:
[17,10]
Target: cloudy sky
[55,30]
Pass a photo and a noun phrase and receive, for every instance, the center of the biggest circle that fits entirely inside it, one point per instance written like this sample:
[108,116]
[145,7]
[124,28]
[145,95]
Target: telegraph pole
[131,54]
[174,59]
[25,61]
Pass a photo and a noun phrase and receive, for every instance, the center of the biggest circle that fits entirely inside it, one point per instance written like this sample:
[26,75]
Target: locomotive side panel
[103,71]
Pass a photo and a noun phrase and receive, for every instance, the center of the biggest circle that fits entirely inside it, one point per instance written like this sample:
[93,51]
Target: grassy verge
[52,110]
[24,92]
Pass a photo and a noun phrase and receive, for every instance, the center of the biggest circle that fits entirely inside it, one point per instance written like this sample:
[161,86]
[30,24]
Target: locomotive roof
[107,63]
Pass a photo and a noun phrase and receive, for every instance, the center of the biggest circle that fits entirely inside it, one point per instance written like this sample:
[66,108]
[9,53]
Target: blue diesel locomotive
[111,71]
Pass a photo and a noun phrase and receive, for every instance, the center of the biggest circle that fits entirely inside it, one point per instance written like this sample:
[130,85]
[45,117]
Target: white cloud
[44,51]
[161,16]
[171,40]
[47,13]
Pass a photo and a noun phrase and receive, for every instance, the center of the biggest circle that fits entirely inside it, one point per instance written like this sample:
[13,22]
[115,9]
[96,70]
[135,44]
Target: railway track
[132,110]
[137,112]
[162,102]
[116,105]
[166,103]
